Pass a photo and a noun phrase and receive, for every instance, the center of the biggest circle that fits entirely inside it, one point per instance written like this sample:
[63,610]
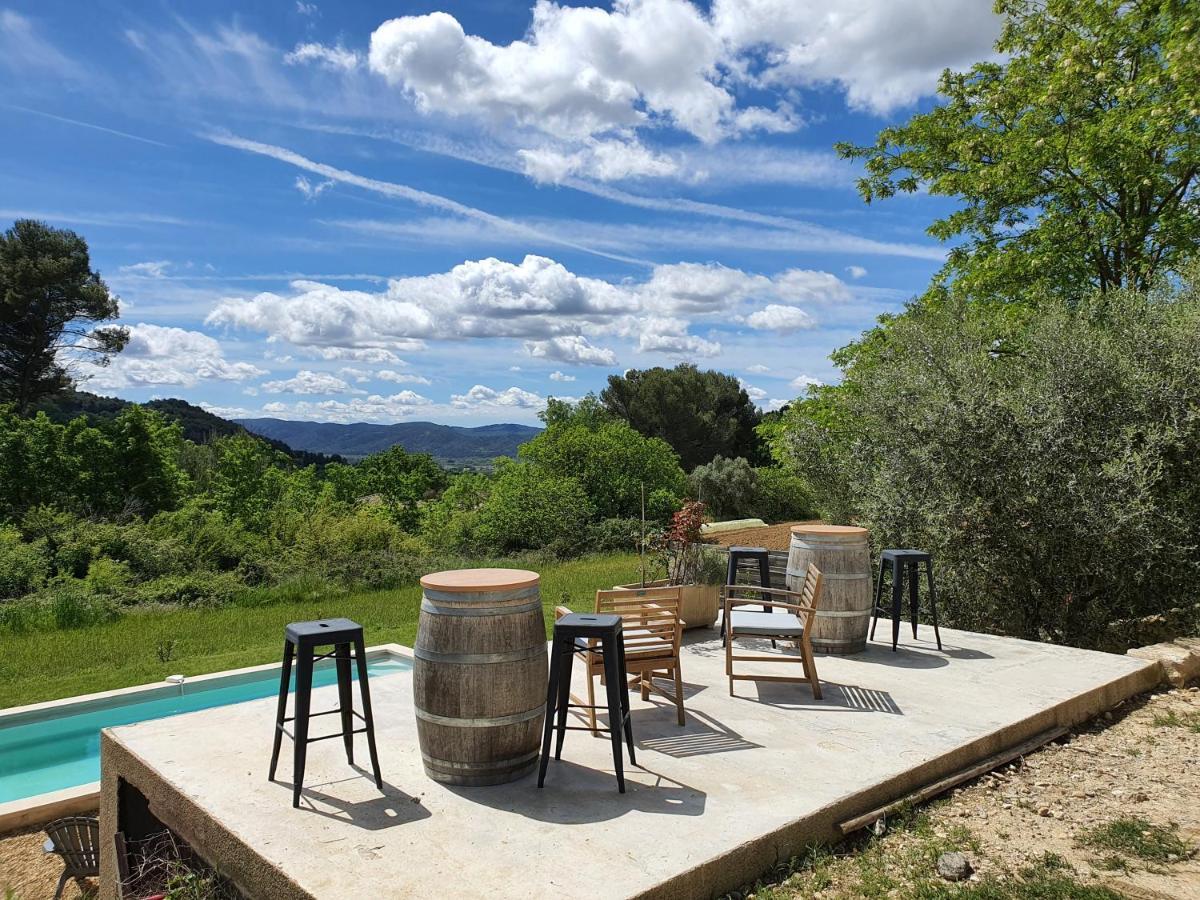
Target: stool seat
[906,556]
[322,631]
[580,624]
[749,552]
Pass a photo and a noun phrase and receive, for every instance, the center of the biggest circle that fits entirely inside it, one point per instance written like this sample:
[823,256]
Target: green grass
[1172,719]
[1137,838]
[147,645]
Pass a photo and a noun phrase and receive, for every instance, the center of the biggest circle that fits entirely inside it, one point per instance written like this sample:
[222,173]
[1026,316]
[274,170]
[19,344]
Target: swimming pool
[57,746]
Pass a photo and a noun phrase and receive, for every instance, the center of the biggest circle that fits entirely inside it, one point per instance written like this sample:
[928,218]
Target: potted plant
[699,571]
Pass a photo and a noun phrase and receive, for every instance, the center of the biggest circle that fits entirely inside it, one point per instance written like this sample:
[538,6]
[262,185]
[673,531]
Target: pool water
[53,750]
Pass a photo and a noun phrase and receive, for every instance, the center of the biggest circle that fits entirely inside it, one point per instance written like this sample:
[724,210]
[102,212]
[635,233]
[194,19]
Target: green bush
[73,604]
[110,578]
[781,496]
[23,566]
[449,522]
[1050,468]
[727,487]
[365,547]
[614,536]
[192,589]
[529,508]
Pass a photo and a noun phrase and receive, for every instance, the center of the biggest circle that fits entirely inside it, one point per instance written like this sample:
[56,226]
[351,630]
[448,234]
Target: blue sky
[450,211]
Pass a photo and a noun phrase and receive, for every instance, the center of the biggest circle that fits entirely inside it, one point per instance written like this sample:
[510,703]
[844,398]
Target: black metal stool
[759,555]
[904,562]
[574,634]
[301,640]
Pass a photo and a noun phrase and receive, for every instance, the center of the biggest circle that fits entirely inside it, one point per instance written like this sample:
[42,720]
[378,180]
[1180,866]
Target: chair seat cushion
[765,624]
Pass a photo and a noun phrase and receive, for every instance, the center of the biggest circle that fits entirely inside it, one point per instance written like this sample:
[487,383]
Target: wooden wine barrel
[479,677]
[842,554]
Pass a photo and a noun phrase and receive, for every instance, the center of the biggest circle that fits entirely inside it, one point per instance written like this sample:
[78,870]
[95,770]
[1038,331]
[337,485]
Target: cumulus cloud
[856,272]
[158,354]
[375,408]
[559,315]
[581,72]
[574,349]
[307,381]
[784,319]
[561,376]
[756,394]
[150,269]
[804,382]
[401,377]
[337,58]
[481,396]
[610,160]
[758,369]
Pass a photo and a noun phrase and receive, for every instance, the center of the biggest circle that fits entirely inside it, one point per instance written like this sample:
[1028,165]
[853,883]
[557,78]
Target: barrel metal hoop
[477,659]
[481,721]
[481,766]
[483,598]
[837,642]
[839,547]
[844,614]
[459,610]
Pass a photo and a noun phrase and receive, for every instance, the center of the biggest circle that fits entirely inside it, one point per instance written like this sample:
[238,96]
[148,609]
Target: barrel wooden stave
[479,684]
[843,555]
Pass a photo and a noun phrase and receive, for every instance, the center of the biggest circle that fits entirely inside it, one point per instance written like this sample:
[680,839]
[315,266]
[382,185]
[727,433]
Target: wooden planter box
[699,604]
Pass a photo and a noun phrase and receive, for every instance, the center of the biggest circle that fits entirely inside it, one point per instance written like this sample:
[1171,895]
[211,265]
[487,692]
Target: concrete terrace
[749,781]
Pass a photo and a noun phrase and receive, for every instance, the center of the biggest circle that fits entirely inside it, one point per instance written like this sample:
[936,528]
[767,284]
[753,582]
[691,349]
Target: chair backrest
[650,620]
[810,592]
[77,840]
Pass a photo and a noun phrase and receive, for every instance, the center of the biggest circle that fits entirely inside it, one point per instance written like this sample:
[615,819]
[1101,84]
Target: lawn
[147,645]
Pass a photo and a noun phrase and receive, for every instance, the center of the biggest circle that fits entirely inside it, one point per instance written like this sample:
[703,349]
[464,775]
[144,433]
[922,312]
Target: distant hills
[199,425]
[451,445]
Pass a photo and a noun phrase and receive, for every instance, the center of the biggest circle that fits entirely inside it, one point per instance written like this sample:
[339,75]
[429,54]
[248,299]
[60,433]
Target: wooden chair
[652,634]
[795,625]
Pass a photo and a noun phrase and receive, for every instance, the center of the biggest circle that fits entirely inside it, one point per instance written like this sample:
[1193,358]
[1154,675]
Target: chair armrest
[560,611]
[798,608]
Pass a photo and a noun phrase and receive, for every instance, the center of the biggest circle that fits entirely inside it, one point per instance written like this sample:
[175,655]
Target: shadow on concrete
[394,807]
[701,736]
[910,657]
[834,697]
[574,794]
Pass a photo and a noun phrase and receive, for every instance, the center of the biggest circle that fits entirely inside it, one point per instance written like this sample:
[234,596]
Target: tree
[727,486]
[401,479]
[700,414]
[611,462]
[1053,477]
[49,300]
[529,508]
[1075,159]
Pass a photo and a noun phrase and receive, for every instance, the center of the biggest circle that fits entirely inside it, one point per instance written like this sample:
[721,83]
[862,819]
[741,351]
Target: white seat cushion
[763,624]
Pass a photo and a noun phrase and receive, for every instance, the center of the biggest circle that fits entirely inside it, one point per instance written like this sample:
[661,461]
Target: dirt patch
[773,537]
[1052,817]
[29,873]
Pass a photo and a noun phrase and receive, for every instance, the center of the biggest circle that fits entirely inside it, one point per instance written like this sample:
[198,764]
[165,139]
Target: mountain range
[450,445]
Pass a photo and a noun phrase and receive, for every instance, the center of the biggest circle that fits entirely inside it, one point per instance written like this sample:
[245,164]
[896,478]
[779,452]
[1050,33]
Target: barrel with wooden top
[842,554]
[479,677]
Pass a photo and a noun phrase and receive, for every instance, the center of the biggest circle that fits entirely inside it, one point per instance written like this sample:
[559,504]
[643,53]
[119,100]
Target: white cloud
[603,160]
[307,9]
[160,355]
[363,354]
[150,269]
[856,272]
[574,349]
[337,58]
[401,377]
[804,382]
[758,369]
[24,49]
[561,376]
[310,190]
[375,408]
[307,381]
[756,394]
[359,375]
[581,72]
[481,396]
[783,319]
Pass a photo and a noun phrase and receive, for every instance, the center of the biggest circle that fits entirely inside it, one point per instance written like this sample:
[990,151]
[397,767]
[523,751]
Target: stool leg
[914,609]
[345,698]
[364,690]
[897,596]
[878,598]
[285,677]
[616,710]
[556,652]
[933,602]
[564,694]
[304,670]
[627,719]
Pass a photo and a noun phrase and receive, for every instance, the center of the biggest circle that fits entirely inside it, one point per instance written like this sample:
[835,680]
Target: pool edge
[83,798]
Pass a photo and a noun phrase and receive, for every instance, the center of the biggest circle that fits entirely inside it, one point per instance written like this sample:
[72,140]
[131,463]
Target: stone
[1179,659]
[954,866]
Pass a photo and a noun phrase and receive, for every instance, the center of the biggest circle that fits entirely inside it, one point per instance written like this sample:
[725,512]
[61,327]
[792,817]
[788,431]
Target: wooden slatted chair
[795,624]
[652,633]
